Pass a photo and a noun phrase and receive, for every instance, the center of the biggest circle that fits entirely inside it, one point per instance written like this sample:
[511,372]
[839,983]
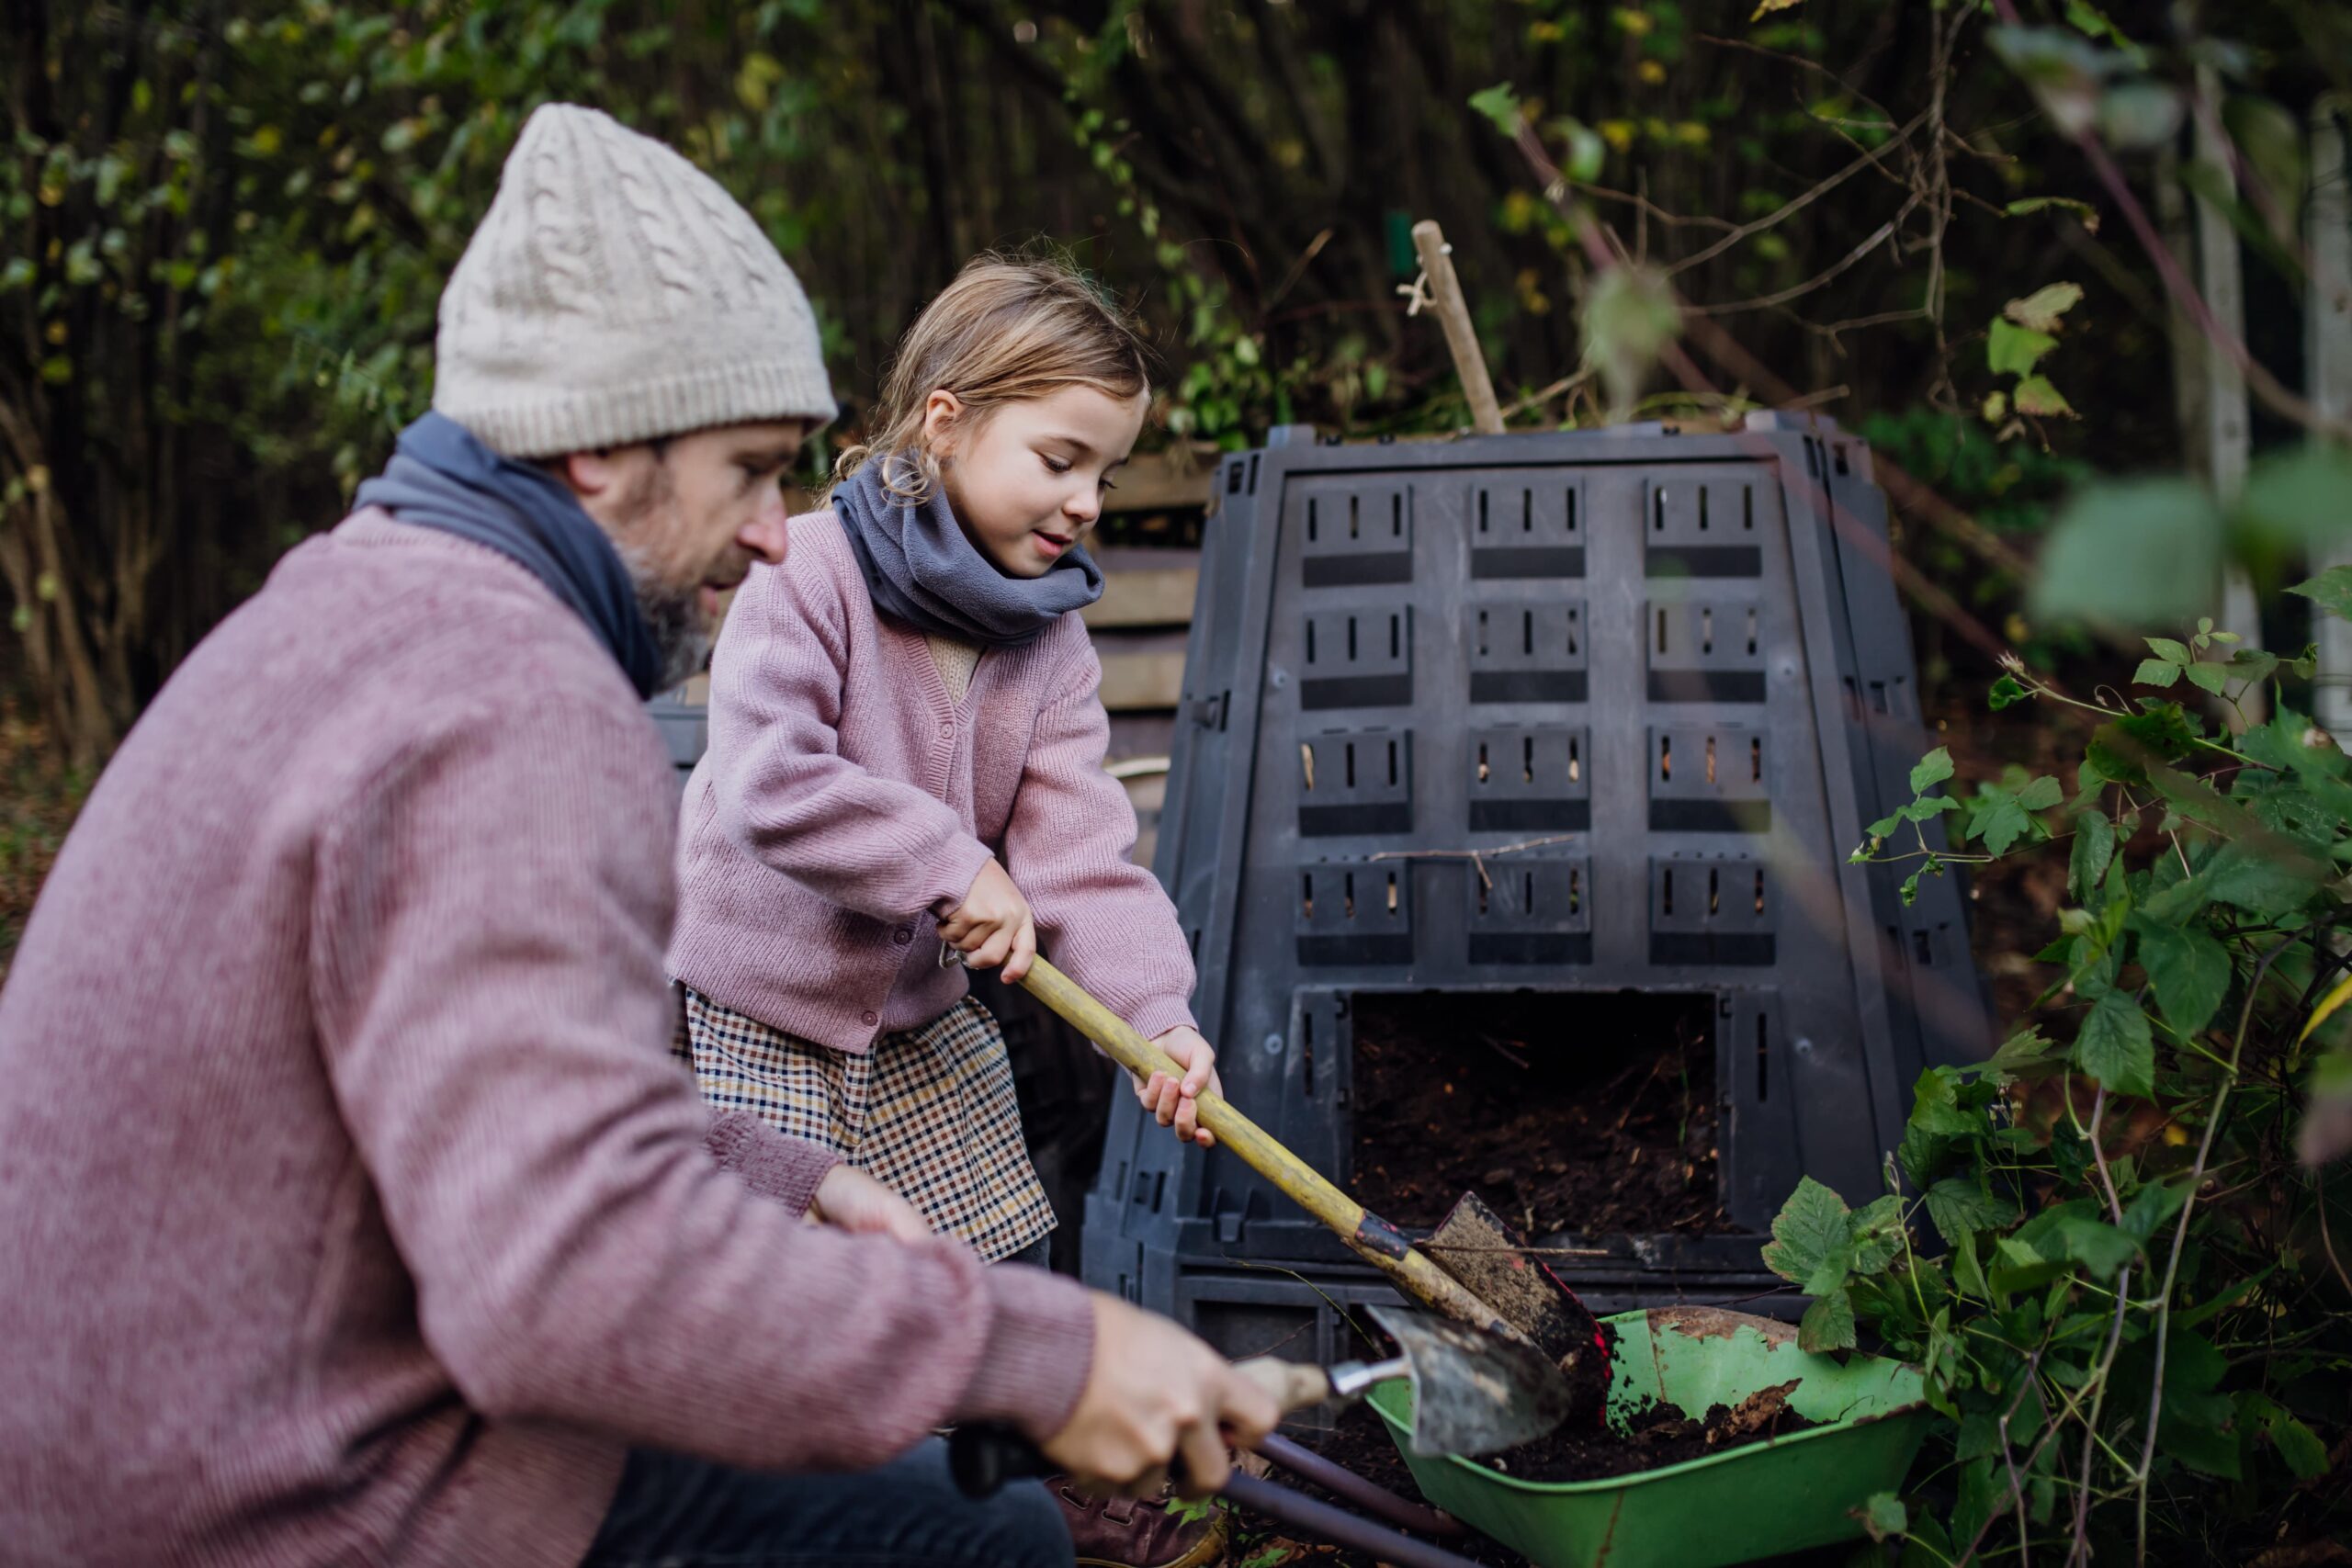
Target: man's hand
[848,1199]
[1155,1393]
[993,925]
[1175,1101]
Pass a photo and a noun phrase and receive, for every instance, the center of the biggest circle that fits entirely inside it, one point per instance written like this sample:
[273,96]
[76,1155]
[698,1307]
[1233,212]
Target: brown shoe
[1130,1532]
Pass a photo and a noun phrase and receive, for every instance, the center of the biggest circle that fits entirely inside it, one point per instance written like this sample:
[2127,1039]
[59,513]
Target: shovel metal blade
[1474,1393]
[1480,1250]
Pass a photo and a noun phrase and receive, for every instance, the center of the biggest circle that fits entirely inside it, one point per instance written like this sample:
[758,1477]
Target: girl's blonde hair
[1006,329]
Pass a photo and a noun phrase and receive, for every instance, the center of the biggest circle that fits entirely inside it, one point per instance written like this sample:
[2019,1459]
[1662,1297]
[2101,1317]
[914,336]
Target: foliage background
[223,226]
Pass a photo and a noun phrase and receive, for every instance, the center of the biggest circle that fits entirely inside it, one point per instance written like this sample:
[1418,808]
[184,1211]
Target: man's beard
[673,614]
[680,638]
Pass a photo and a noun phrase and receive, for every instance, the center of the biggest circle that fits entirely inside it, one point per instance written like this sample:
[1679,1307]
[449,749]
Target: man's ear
[940,412]
[588,474]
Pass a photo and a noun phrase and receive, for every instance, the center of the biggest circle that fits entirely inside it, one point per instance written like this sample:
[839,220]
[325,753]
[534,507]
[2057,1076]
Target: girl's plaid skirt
[929,1113]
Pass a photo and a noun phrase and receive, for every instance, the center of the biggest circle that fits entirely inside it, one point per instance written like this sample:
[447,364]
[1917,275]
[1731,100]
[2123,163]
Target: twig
[1515,1251]
[2319,1179]
[2180,1232]
[1798,203]
[1477,857]
[1821,279]
[2115,1331]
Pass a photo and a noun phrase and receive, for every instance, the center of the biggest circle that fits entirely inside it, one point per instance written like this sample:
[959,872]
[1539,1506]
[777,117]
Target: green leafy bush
[2100,1246]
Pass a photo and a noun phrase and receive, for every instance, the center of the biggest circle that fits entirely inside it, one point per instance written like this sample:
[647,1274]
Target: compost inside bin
[1591,1112]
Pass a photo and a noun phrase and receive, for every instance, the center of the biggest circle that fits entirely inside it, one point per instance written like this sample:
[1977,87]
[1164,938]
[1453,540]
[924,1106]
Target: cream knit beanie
[615,293]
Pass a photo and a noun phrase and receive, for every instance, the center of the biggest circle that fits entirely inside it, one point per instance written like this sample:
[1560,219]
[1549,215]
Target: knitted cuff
[1040,1348]
[784,1170]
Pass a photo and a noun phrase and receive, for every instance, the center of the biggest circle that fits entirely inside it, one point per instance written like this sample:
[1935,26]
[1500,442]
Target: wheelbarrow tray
[1758,1500]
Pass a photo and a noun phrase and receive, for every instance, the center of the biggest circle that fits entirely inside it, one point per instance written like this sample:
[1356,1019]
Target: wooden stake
[1454,313]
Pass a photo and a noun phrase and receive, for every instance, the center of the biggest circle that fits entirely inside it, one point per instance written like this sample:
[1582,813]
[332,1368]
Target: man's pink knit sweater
[352,1208]
[845,796]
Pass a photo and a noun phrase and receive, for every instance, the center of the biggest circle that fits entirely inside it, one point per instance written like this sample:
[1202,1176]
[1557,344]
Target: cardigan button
[946,729]
[869,1018]
[903,935]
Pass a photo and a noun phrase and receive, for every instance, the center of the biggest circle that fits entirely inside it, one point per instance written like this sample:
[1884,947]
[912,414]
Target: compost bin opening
[1587,1113]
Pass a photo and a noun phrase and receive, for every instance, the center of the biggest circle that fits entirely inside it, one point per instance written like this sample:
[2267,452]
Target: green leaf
[2208,677]
[2097,1246]
[1500,104]
[2169,650]
[2023,1049]
[1929,807]
[2297,1444]
[2138,114]
[1883,1516]
[2116,1048]
[1586,151]
[2082,210]
[2190,970]
[2156,672]
[1808,1233]
[1967,1271]
[1997,821]
[1934,1106]
[2269,879]
[2123,748]
[2271,141]
[2331,591]
[2013,350]
[1874,1234]
[1827,1323]
[2292,508]
[1960,1208]
[2094,851]
[2133,553]
[2003,691]
[2018,1265]
[1934,769]
[2042,794]
[2036,395]
[2151,1207]
[2039,312]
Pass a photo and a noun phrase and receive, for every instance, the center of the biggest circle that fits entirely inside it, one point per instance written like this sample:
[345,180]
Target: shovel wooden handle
[1371,1237]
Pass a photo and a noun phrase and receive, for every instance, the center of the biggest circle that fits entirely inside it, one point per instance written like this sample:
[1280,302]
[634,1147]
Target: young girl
[904,775]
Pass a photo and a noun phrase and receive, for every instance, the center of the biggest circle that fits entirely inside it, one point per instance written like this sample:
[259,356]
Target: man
[351,1206]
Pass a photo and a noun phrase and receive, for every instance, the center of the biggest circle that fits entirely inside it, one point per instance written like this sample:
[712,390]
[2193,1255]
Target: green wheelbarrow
[1779,1494]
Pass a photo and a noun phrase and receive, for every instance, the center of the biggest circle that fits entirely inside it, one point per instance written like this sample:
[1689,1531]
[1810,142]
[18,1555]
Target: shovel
[1485,1279]
[1472,1393]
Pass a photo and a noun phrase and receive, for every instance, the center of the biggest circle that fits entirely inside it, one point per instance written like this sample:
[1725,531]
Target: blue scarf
[923,570]
[442,476]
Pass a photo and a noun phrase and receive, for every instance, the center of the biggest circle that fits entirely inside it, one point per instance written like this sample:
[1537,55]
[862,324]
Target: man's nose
[765,536]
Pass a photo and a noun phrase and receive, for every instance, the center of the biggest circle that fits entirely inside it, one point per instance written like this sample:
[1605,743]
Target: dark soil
[1656,1435]
[1362,1444]
[1592,1113]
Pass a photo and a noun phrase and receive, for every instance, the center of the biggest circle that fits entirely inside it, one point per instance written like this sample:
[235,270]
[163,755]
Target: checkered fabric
[929,1113]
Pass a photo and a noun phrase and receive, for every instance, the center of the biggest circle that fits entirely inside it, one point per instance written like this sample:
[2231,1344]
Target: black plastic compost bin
[1660,682]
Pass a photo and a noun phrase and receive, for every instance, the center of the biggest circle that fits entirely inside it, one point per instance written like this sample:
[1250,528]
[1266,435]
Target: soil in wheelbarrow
[1588,1113]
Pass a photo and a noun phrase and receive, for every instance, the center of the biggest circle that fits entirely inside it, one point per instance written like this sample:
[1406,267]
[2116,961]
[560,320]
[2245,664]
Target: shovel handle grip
[1371,1237]
[984,1455]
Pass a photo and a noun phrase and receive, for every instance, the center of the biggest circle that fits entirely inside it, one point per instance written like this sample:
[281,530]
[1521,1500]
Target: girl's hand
[848,1199]
[992,925]
[1175,1101]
